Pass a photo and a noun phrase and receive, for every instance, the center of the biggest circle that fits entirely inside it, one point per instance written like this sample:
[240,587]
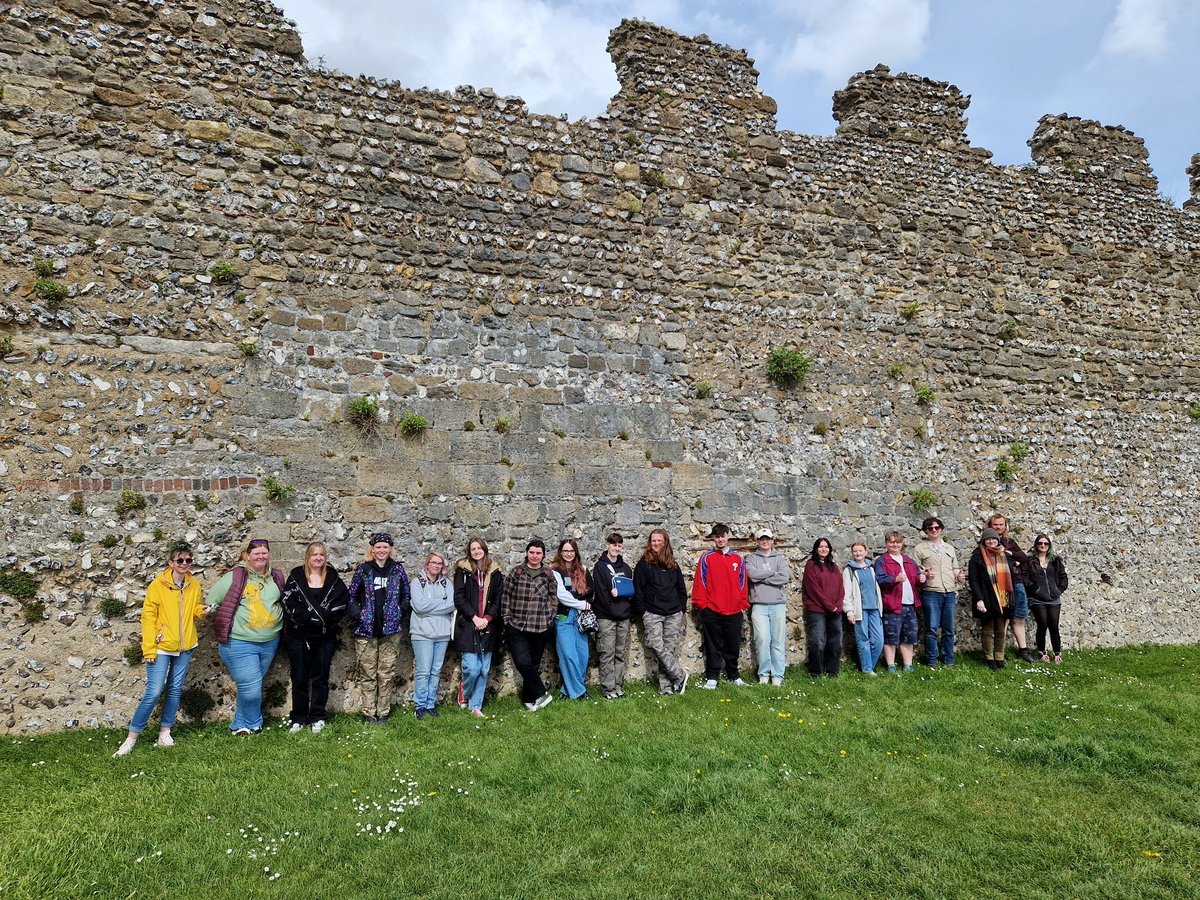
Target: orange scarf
[998,573]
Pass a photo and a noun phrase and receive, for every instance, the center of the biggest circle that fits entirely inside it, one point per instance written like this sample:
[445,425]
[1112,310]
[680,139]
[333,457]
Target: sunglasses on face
[935,528]
[183,560]
[260,542]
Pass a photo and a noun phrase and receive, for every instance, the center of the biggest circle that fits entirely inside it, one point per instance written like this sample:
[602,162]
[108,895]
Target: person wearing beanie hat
[991,582]
[379,601]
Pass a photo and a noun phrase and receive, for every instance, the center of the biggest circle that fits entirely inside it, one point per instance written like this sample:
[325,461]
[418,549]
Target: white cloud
[1140,28]
[552,56]
[839,37]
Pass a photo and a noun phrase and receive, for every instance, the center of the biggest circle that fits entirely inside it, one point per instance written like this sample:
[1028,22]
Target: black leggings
[1047,617]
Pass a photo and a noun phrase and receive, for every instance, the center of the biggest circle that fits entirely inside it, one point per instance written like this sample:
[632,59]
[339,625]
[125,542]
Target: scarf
[998,574]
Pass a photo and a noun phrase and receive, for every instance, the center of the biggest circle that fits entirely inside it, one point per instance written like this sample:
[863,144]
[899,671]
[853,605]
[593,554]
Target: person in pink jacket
[721,593]
[898,577]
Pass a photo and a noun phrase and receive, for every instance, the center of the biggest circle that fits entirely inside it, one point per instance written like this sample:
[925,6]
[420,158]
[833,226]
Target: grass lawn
[1039,781]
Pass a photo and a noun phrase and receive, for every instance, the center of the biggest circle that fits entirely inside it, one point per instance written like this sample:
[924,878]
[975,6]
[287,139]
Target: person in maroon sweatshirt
[824,594]
[721,593]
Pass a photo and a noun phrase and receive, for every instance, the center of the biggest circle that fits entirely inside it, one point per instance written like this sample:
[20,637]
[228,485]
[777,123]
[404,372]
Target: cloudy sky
[1123,62]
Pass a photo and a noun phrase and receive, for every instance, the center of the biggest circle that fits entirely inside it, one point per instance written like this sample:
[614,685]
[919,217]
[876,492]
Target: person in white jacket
[863,607]
[768,574]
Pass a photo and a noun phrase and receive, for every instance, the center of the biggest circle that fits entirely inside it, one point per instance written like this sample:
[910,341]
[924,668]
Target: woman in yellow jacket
[173,602]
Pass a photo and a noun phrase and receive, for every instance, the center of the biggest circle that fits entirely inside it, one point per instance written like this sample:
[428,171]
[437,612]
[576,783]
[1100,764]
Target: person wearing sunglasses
[169,613]
[1047,581]
[248,621]
[943,575]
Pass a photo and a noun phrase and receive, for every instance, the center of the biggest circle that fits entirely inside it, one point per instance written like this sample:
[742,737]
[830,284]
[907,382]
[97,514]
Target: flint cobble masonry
[581,311]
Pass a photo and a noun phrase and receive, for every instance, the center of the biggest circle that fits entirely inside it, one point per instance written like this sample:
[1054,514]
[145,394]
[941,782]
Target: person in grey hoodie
[432,619]
[767,571]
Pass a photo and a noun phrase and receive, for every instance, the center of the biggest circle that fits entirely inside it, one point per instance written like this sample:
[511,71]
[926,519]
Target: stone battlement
[210,250]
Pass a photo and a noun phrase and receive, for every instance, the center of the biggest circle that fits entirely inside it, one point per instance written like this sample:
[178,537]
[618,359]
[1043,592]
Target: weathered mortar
[459,257]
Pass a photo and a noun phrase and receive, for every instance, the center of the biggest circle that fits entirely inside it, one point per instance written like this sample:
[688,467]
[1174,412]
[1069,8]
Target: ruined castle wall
[457,256]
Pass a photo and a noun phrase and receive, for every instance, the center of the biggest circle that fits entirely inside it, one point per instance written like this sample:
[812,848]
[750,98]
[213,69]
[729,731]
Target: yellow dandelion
[431,794]
[842,753]
[1152,853]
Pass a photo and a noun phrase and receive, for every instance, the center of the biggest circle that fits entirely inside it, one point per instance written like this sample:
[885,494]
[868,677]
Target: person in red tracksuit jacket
[721,593]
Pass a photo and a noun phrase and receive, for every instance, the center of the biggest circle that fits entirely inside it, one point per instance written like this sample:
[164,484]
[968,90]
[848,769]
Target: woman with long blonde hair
[314,603]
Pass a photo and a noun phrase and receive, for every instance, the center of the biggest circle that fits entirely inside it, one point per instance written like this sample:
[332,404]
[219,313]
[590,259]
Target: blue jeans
[1020,602]
[572,646]
[868,635]
[769,624]
[939,614]
[165,673]
[427,657]
[248,662]
[475,669]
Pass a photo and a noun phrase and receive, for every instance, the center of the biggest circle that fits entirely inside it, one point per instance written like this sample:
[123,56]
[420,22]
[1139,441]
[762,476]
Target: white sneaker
[126,747]
[318,726]
[532,707]
[739,682]
[543,701]
[296,728]
[777,680]
[711,684]
[764,679]
[164,740]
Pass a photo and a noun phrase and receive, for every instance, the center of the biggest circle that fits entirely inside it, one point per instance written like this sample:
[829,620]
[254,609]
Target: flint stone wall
[555,298]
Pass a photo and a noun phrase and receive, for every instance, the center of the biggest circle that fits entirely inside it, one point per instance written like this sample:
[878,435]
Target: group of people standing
[474,604]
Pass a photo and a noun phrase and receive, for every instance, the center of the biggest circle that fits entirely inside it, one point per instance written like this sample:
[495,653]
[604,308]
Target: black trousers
[722,636]
[823,632]
[527,649]
[1047,620]
[310,658]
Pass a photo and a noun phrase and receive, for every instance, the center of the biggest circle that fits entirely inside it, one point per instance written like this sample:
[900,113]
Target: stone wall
[581,311]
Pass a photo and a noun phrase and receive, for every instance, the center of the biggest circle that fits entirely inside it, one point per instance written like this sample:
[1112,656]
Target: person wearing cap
[768,574]
[248,621]
[613,610]
[991,579]
[380,598]
[943,574]
[719,591]
[528,603]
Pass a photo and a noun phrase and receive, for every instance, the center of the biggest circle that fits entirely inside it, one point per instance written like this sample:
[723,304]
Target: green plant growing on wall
[623,434]
[908,310]
[1008,330]
[559,433]
[562,460]
[133,654]
[50,292]
[511,484]
[196,703]
[704,390]
[112,608]
[248,349]
[787,366]
[363,414]
[33,611]
[223,272]
[925,395]
[413,425]
[1018,450]
[1006,470]
[109,541]
[43,268]
[922,499]
[18,585]
[6,344]
[277,491]
[76,506]
[654,177]
[502,425]
[820,429]
[631,139]
[200,504]
[895,370]
[919,430]
[468,425]
[130,501]
[1194,411]
[76,537]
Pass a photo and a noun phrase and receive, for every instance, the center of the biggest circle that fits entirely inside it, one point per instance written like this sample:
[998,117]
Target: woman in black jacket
[314,603]
[660,595]
[1047,578]
[478,582]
